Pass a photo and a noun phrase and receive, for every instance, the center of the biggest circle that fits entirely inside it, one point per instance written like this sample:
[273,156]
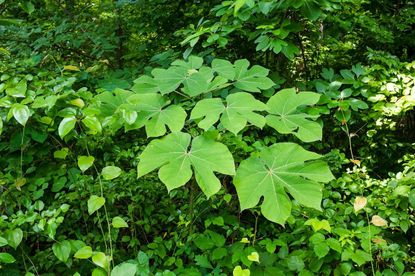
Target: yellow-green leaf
[253,257]
[71,68]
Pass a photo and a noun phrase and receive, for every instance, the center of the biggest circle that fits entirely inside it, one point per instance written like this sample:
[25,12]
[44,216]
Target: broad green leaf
[174,158]
[110,172]
[19,90]
[168,80]
[360,257]
[124,269]
[198,82]
[240,108]
[224,68]
[21,113]
[14,237]
[118,222]
[101,260]
[110,103]
[281,168]
[62,250]
[156,113]
[238,5]
[3,241]
[1,126]
[27,6]
[334,244]
[285,116]
[85,162]
[99,272]
[295,263]
[311,9]
[78,102]
[317,224]
[83,253]
[95,203]
[203,261]
[321,249]
[145,84]
[252,80]
[66,125]
[6,258]
[92,123]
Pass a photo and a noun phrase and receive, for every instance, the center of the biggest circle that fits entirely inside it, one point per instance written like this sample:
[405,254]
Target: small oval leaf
[21,113]
[118,222]
[83,253]
[6,258]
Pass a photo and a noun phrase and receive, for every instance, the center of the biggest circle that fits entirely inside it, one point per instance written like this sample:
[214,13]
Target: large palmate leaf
[175,159]
[286,117]
[110,103]
[252,80]
[195,78]
[239,110]
[155,113]
[281,168]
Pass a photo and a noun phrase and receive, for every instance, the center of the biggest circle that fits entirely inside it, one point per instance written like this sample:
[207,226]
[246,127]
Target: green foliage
[269,124]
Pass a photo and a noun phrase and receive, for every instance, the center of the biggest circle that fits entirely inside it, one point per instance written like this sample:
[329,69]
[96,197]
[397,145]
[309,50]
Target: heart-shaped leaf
[14,237]
[85,162]
[238,271]
[21,113]
[95,203]
[118,222]
[253,257]
[62,250]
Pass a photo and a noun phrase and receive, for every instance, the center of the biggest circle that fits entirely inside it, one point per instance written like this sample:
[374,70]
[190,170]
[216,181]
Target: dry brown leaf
[379,240]
[359,203]
[379,221]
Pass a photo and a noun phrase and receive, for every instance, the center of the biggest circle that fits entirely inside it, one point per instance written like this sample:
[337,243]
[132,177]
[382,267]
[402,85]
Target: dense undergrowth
[207,138]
